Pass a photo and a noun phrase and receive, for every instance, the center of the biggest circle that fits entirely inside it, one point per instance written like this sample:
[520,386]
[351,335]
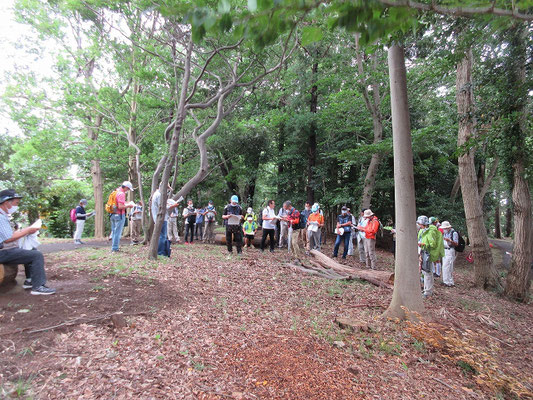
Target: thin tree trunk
[406,294]
[508,220]
[311,143]
[497,222]
[373,104]
[519,277]
[98,186]
[455,188]
[485,273]
[173,150]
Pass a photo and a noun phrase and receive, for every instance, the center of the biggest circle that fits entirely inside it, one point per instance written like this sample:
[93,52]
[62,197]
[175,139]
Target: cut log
[352,324]
[383,279]
[220,238]
[8,273]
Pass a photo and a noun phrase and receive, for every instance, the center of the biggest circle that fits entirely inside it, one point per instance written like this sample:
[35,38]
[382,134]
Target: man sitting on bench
[10,253]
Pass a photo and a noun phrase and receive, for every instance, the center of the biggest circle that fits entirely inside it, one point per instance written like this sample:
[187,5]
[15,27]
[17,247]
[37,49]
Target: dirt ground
[203,325]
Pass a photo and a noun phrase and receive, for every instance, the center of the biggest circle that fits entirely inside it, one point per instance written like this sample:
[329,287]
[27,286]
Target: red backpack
[73,215]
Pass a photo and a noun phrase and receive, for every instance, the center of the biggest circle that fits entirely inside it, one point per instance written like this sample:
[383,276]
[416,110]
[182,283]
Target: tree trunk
[485,273]
[406,294]
[497,223]
[508,220]
[281,148]
[98,186]
[519,277]
[373,104]
[311,143]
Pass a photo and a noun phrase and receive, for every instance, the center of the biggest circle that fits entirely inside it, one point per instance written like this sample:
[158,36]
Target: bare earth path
[202,325]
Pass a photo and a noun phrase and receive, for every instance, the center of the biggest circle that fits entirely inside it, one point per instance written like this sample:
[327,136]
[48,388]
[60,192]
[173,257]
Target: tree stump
[8,273]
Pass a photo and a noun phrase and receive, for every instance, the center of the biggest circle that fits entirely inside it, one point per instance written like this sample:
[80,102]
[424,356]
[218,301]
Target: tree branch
[458,11]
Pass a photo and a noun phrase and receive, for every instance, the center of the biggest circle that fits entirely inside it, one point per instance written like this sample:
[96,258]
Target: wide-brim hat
[368,213]
[445,225]
[423,220]
[8,194]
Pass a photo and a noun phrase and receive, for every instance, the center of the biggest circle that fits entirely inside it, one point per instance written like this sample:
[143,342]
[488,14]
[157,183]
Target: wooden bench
[8,273]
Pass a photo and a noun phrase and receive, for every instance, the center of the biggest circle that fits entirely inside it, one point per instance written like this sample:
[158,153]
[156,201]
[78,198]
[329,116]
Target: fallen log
[383,279]
[8,273]
[320,274]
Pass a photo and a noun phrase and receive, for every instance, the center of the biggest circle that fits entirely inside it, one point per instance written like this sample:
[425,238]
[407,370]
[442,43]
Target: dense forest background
[306,131]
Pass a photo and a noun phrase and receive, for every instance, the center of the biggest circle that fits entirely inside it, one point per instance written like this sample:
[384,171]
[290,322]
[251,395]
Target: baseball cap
[128,185]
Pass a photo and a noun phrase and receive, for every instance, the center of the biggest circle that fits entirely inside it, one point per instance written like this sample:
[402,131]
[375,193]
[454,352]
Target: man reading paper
[10,253]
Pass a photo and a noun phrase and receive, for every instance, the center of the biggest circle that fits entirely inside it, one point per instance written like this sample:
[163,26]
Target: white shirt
[269,213]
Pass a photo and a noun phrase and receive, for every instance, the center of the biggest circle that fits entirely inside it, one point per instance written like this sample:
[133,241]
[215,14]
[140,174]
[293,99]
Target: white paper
[37,224]
[339,231]
[234,219]
[170,202]
[180,199]
[313,227]
[29,242]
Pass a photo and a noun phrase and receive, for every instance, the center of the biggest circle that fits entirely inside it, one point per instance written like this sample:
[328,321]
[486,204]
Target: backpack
[111,204]
[461,246]
[303,221]
[73,217]
[295,213]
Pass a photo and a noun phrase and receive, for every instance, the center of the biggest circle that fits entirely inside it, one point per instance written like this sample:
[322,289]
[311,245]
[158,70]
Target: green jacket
[432,239]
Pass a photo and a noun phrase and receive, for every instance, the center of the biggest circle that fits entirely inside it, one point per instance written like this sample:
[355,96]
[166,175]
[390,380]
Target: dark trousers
[199,231]
[189,229]
[33,261]
[162,246]
[234,233]
[270,234]
[340,238]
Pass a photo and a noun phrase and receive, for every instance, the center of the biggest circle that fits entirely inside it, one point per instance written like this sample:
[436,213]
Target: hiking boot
[27,284]
[43,290]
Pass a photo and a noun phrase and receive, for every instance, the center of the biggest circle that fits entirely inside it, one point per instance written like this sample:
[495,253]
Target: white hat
[128,185]
[445,225]
[368,213]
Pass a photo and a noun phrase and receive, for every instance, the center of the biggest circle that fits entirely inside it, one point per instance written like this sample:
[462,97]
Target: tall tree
[485,273]
[519,277]
[406,294]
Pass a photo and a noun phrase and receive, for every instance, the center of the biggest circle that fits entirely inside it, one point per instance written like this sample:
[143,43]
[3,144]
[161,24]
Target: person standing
[189,215]
[283,227]
[233,216]
[370,229]
[210,222]
[361,236]
[81,217]
[353,233]
[451,241]
[429,250]
[437,265]
[173,234]
[136,222]
[269,225]
[249,230]
[118,216]
[344,223]
[293,221]
[315,222]
[163,245]
[304,215]
[10,253]
[199,228]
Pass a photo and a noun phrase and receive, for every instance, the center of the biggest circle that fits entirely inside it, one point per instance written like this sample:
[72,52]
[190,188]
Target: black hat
[8,194]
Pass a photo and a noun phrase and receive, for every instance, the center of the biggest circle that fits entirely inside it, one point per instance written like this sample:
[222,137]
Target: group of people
[438,243]
[437,246]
